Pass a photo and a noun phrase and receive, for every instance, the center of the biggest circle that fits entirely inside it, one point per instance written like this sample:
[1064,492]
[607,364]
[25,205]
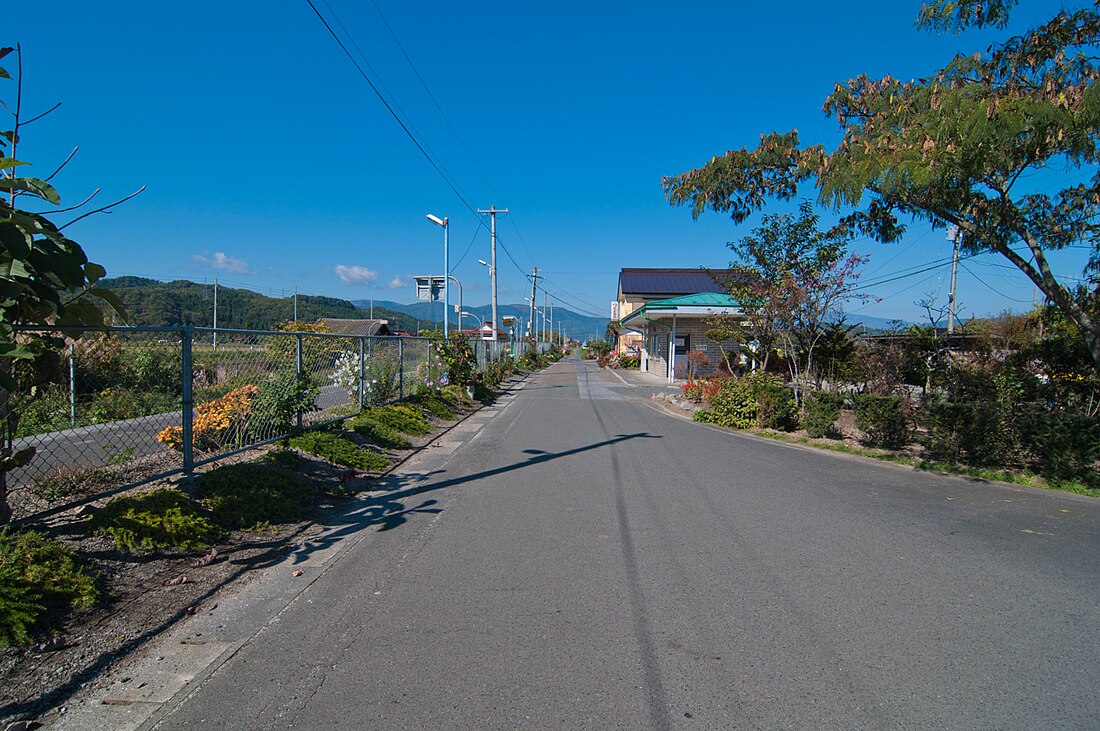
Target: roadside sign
[429,289]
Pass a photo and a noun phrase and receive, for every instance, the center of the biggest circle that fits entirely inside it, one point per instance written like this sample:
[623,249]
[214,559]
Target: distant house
[661,315]
[485,332]
[370,328]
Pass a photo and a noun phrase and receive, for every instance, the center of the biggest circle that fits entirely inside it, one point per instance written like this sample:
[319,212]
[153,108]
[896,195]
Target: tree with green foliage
[792,279]
[953,148]
[45,279]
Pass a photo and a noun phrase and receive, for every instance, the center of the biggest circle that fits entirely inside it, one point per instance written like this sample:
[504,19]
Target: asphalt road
[587,561]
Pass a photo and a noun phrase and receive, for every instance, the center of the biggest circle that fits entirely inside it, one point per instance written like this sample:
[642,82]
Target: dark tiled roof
[357,327]
[667,282]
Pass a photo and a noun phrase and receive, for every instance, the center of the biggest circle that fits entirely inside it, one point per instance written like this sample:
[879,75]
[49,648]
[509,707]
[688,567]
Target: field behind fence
[126,405]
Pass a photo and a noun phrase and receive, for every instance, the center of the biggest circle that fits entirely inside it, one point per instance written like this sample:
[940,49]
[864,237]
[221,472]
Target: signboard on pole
[429,289]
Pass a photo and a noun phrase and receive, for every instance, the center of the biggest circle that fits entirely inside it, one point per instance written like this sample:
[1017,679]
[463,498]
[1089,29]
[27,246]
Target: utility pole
[295,303]
[545,332]
[215,343]
[493,211]
[954,235]
[531,318]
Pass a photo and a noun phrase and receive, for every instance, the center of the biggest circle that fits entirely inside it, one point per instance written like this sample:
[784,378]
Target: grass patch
[403,418]
[253,495]
[339,449]
[378,433]
[1014,477]
[433,404]
[159,520]
[35,572]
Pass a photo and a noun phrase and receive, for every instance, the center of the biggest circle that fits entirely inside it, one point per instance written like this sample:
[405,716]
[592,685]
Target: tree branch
[70,157]
[40,116]
[73,208]
[103,209]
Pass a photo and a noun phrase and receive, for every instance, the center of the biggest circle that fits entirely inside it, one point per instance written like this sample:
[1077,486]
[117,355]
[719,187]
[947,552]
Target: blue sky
[270,164]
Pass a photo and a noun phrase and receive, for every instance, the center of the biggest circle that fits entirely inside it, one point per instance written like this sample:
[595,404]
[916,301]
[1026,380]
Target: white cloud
[397,283]
[223,263]
[355,274]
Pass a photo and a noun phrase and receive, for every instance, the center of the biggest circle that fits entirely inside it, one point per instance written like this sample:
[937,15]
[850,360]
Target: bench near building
[662,314]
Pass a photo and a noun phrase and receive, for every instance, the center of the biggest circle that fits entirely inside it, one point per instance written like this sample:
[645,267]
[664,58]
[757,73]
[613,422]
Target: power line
[431,96]
[393,113]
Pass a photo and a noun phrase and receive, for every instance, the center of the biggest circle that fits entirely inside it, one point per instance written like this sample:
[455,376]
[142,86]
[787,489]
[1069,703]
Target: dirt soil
[145,594]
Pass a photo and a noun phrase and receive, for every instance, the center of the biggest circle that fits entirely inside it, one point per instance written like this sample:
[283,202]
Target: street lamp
[459,310]
[446,269]
[480,322]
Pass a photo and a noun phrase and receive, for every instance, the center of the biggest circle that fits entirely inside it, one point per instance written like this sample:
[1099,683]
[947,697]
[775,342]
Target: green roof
[700,299]
[712,300]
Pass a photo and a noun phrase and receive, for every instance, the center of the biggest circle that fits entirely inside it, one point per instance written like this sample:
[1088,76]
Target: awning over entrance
[648,318]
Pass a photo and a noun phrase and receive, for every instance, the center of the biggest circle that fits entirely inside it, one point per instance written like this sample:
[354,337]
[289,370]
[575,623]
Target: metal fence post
[188,401]
[401,368]
[298,372]
[72,385]
[362,369]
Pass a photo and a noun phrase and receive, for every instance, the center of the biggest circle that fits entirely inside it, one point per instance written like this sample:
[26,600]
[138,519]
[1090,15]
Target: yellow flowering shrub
[218,422]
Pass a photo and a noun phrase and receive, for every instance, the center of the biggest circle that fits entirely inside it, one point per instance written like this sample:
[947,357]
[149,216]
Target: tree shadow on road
[393,508]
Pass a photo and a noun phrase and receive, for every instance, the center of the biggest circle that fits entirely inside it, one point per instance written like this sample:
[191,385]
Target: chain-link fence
[125,405]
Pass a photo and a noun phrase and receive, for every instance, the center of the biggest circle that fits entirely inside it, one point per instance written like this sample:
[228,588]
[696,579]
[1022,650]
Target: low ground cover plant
[378,433]
[253,495]
[433,404]
[339,449]
[36,572]
[159,520]
[405,419]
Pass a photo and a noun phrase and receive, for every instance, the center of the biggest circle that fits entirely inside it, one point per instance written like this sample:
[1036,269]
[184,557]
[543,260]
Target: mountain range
[152,303]
[573,325]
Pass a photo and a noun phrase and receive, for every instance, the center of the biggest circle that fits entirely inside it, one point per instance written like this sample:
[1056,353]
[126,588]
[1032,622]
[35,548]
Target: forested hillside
[152,303]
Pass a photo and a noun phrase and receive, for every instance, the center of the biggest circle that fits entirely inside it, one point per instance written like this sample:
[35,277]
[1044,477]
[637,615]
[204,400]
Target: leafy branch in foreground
[45,279]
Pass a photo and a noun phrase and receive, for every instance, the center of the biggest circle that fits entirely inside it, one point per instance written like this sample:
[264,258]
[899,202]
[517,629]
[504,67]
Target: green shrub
[280,400]
[46,411]
[972,433]
[775,407]
[339,449]
[433,405]
[155,368]
[820,412]
[35,572]
[247,496]
[381,374]
[158,520]
[1061,445]
[405,420]
[118,403]
[378,433]
[754,400]
[734,405]
[883,420]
